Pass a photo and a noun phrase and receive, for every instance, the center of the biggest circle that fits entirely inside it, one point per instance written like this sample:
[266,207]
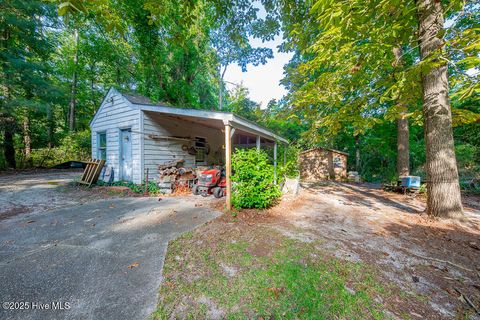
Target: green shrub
[253,180]
[290,168]
[75,146]
[466,156]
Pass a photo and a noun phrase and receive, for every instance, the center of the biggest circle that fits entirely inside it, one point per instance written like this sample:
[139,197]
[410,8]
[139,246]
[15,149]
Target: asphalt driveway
[99,260]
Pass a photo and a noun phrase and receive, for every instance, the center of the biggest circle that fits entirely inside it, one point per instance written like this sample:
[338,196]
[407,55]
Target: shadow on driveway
[103,258]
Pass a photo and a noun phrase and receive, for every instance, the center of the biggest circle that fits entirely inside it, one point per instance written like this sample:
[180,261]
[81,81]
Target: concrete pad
[103,258]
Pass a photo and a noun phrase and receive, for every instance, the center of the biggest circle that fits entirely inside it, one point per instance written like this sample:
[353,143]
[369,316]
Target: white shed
[133,134]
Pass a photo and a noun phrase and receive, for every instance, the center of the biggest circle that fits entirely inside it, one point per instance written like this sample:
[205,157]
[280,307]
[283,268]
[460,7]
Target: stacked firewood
[170,164]
[172,175]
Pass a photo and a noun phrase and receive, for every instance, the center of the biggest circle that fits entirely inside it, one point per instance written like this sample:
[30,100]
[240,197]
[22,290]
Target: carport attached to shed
[157,134]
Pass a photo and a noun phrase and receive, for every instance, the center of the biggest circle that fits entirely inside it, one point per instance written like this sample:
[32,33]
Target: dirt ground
[434,264]
[34,191]
[436,261]
[388,230]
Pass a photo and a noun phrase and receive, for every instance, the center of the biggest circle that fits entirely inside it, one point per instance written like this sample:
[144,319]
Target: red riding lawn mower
[211,182]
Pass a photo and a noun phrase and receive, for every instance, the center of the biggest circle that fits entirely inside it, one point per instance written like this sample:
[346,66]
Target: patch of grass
[262,274]
[153,188]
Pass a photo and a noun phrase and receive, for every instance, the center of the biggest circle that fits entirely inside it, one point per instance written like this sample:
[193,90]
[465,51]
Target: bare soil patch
[434,259]
[420,268]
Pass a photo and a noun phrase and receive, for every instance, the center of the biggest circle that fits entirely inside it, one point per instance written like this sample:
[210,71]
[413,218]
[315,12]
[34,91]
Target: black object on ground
[71,165]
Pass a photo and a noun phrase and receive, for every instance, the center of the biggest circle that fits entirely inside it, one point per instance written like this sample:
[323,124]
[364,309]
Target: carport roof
[236,121]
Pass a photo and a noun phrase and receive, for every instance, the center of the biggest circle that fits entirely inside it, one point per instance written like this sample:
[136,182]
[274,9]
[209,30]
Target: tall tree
[403,136]
[24,73]
[73,90]
[241,104]
[443,196]
[237,22]
[346,75]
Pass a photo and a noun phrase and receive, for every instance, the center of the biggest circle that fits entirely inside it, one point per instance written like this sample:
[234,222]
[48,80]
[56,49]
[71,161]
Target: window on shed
[200,146]
[102,145]
[337,162]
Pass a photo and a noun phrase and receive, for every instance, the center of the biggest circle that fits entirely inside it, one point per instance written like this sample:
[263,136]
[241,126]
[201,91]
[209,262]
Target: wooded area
[393,83]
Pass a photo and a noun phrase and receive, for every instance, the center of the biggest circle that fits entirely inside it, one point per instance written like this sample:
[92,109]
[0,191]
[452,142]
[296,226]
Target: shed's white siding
[119,112]
[111,118]
[158,151]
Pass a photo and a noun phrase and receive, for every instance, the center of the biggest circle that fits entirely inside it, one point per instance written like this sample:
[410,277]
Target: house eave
[226,117]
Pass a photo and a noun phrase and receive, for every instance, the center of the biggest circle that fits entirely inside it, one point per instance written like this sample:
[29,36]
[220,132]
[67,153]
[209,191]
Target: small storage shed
[320,164]
[132,134]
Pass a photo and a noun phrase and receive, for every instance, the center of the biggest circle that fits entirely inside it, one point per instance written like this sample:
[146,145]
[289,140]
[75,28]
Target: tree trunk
[221,76]
[93,76]
[8,149]
[403,145]
[357,153]
[403,134]
[119,76]
[50,126]
[443,189]
[27,140]
[73,95]
[220,106]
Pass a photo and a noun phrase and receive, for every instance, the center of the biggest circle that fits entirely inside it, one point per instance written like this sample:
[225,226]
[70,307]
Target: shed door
[126,154]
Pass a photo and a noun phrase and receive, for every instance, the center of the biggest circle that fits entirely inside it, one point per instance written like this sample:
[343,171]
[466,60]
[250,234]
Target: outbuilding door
[126,154]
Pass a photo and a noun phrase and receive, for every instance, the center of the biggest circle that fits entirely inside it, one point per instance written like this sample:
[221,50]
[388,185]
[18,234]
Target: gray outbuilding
[133,134]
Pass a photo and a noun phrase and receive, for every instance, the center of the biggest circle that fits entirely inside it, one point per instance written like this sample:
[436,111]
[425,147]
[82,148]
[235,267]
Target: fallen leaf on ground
[276,291]
[133,265]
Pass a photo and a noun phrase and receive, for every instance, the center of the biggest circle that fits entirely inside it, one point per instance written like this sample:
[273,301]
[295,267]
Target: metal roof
[236,121]
[137,99]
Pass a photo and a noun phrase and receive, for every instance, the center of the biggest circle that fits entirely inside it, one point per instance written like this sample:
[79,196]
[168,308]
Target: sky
[262,81]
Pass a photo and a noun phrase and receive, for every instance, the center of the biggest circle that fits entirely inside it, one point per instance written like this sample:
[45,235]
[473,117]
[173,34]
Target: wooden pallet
[92,172]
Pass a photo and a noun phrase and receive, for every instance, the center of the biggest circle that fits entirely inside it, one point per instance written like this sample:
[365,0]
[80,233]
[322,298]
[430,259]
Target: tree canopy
[356,81]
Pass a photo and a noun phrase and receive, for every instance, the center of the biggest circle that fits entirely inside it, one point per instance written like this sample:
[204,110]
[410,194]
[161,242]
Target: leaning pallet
[92,172]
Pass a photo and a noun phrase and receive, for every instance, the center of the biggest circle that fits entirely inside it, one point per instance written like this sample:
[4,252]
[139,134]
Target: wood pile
[172,175]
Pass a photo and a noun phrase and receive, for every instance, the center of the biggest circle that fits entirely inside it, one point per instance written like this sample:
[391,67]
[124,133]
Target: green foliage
[153,188]
[170,53]
[466,155]
[240,104]
[75,146]
[290,168]
[253,180]
[344,79]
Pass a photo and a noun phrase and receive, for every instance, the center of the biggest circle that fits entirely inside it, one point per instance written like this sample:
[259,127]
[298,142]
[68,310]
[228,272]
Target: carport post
[275,162]
[228,164]
[258,143]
